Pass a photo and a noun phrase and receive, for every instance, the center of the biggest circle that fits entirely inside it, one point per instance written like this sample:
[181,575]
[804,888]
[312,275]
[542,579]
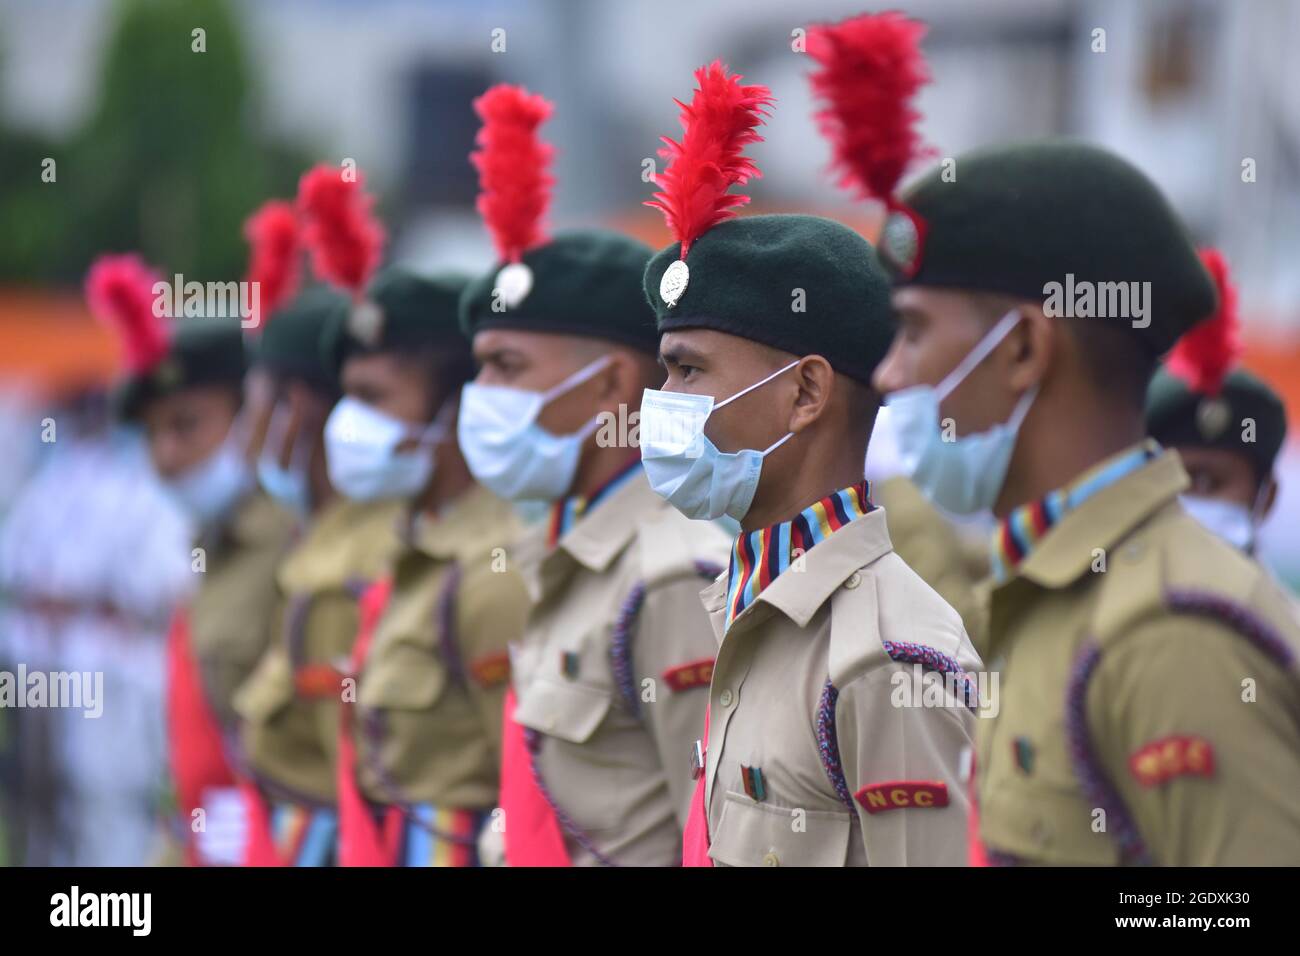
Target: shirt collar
[1105,504]
[758,558]
[566,512]
[443,536]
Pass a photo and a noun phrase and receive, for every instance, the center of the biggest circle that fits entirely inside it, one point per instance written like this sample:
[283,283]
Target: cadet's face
[536,361]
[398,385]
[936,330]
[188,426]
[1220,473]
[705,362]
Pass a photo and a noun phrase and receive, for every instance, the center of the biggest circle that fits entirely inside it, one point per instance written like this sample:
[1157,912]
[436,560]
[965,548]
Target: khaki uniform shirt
[931,547]
[902,799]
[618,769]
[431,687]
[231,614]
[1125,634]
[289,707]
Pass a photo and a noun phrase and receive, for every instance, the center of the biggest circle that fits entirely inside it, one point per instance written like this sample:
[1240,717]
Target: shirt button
[771,860]
[854,580]
[725,698]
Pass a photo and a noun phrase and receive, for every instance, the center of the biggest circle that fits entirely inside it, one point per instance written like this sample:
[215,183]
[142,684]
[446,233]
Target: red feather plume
[1208,351]
[346,241]
[871,68]
[719,123]
[513,164]
[120,292]
[275,260]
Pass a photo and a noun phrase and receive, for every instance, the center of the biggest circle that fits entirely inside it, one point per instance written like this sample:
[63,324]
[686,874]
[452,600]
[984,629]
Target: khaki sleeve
[1200,734]
[902,765]
[674,643]
[492,608]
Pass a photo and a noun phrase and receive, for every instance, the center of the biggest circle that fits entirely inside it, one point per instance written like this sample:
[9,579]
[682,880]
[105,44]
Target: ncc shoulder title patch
[903,794]
[1162,760]
[685,676]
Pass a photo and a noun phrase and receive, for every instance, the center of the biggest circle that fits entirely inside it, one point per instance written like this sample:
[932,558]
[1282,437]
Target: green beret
[402,311]
[584,282]
[801,284]
[1014,219]
[1178,416]
[292,342]
[202,351]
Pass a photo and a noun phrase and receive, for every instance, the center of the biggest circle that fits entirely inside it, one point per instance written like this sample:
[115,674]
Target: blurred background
[115,135]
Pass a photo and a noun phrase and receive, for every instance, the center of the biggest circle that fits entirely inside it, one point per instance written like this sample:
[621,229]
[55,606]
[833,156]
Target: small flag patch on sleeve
[903,795]
[1179,756]
[685,676]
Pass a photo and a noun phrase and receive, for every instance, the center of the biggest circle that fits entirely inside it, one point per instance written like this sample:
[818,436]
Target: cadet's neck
[801,482]
[599,466]
[1055,448]
[451,478]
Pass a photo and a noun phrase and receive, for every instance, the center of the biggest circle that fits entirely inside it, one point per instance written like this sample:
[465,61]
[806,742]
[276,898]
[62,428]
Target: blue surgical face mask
[685,468]
[508,452]
[212,488]
[966,474]
[361,452]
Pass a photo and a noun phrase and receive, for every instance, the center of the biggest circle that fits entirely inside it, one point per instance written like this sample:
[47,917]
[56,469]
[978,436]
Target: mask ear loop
[1256,514]
[991,340]
[746,391]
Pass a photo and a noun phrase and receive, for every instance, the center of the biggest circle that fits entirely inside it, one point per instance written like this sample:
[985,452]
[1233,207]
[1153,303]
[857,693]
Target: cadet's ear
[814,378]
[1270,497]
[1031,344]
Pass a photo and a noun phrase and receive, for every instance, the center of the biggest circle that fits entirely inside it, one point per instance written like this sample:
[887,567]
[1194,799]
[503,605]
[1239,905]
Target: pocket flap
[1043,824]
[756,834]
[401,676]
[268,689]
[568,710]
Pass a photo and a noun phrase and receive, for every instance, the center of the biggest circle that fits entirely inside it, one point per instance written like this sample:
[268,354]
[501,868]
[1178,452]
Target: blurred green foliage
[169,162]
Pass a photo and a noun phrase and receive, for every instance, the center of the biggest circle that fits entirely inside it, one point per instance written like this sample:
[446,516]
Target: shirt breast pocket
[402,677]
[564,709]
[1039,823]
[756,834]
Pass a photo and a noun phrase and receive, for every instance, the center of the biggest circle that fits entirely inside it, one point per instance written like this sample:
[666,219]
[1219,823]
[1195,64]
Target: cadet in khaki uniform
[861,62]
[185,388]
[609,680]
[432,672]
[1226,424]
[1149,707]
[812,758]
[290,706]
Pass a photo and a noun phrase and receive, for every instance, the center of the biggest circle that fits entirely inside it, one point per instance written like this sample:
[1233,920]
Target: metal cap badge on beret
[694,189]
[580,282]
[1199,399]
[345,239]
[870,69]
[415,312]
[513,164]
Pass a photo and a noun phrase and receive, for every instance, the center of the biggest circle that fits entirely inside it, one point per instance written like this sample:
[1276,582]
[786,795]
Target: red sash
[695,835]
[533,836]
[361,841]
[976,855]
[197,751]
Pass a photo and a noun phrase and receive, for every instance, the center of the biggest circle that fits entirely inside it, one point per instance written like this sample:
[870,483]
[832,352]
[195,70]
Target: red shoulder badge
[1169,757]
[490,669]
[685,676]
[902,795]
